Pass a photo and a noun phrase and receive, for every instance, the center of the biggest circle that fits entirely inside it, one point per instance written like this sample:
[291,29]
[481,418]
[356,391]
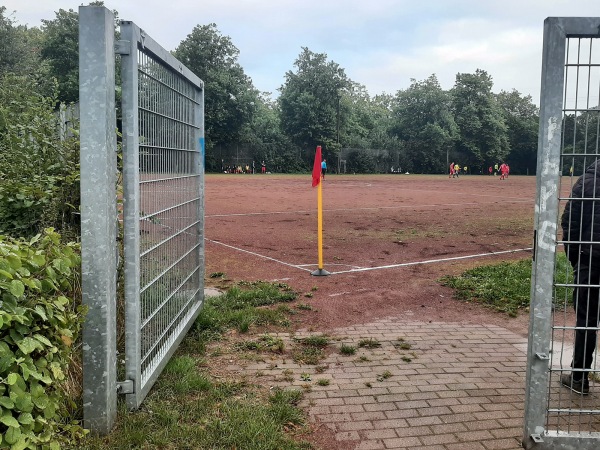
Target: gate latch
[125,387]
[537,438]
[542,356]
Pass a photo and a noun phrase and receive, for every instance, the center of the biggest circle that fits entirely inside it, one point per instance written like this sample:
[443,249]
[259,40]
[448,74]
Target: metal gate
[562,414]
[163,178]
[163,209]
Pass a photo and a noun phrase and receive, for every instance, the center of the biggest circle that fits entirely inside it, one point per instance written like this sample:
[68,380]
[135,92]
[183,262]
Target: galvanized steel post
[98,215]
[553,418]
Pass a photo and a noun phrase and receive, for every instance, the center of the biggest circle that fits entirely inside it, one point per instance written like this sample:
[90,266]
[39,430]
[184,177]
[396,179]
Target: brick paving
[427,386]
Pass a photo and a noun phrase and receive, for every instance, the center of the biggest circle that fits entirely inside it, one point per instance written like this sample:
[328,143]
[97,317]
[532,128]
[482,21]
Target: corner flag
[316,173]
[316,181]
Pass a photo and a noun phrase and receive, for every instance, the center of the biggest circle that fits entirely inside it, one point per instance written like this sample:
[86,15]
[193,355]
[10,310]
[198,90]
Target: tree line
[421,128]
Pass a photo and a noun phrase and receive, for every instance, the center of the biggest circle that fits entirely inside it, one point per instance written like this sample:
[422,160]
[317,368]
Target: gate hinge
[123,47]
[125,387]
[542,356]
[537,438]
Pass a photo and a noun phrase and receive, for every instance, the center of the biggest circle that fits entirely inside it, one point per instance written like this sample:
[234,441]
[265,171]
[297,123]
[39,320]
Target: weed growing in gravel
[347,350]
[315,341]
[369,343]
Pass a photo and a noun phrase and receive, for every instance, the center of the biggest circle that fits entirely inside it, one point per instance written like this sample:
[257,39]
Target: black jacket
[581,219]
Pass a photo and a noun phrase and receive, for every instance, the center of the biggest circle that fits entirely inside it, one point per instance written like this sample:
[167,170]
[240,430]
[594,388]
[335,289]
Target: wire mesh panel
[163,181]
[563,374]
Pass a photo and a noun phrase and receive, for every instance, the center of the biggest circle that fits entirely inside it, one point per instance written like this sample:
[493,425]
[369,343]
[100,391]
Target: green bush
[39,322]
[39,172]
[29,206]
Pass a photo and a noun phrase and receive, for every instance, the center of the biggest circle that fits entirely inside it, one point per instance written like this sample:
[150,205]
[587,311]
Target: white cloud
[381,44]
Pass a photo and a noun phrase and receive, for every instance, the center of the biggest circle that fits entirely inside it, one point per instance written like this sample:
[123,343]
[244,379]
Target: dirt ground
[387,239]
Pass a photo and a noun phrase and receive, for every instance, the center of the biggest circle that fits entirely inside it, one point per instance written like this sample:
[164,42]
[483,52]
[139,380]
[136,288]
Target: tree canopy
[230,98]
[424,122]
[483,132]
[419,128]
[310,101]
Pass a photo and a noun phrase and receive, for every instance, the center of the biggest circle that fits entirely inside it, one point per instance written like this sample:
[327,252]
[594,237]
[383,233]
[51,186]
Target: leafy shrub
[38,325]
[39,172]
[28,206]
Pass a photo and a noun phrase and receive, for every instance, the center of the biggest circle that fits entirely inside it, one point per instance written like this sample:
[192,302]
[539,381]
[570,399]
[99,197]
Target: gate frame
[132,39]
[99,251]
[556,32]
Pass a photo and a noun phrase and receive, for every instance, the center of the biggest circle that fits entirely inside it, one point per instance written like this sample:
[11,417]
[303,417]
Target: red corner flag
[316,173]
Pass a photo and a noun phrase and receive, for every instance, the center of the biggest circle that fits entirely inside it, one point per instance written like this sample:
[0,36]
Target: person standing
[581,235]
[503,171]
[323,168]
[263,168]
[451,175]
[456,170]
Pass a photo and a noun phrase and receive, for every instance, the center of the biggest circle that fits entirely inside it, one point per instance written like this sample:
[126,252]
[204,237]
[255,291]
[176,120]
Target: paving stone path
[427,386]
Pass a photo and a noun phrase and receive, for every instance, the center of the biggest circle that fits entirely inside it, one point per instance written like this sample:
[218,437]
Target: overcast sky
[381,44]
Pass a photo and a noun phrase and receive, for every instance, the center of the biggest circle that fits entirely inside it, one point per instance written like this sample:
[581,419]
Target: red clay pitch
[386,238]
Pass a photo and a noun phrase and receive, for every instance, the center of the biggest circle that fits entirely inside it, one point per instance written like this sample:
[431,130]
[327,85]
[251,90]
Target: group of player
[503,169]
[455,170]
[242,169]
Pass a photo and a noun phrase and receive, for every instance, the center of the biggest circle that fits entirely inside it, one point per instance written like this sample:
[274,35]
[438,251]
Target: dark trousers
[585,301]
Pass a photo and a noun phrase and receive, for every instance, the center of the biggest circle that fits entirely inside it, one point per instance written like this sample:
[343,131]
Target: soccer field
[386,238]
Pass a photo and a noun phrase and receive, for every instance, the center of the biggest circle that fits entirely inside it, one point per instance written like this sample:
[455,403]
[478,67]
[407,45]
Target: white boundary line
[431,261]
[365,269]
[257,254]
[371,208]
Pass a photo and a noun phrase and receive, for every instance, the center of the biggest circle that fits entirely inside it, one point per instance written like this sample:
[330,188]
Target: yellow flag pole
[320,271]
[320,222]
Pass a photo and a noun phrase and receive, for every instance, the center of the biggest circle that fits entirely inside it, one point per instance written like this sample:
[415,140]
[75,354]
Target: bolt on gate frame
[163,209]
[555,416]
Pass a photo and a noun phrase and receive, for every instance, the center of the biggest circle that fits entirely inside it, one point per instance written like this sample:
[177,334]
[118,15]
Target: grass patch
[264,343]
[347,349]
[308,355]
[304,307]
[240,308]
[384,376]
[315,341]
[189,408]
[402,344]
[311,351]
[505,287]
[369,343]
